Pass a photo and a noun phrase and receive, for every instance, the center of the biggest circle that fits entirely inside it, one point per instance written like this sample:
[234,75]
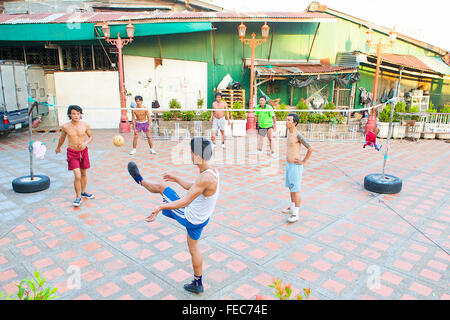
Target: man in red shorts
[77,152]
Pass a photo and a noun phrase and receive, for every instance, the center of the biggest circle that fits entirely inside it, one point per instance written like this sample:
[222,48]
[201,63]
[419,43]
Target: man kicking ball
[192,211]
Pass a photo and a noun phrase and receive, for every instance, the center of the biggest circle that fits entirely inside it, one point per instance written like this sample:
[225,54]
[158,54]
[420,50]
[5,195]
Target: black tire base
[386,185]
[25,185]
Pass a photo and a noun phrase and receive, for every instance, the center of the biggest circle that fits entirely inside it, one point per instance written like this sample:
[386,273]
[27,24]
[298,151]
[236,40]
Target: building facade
[185,55]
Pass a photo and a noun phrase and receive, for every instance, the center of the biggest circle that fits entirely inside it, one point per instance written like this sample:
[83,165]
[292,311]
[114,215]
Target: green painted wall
[290,41]
[345,36]
[440,92]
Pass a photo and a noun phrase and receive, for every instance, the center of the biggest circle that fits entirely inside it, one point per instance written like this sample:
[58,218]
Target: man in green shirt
[266,123]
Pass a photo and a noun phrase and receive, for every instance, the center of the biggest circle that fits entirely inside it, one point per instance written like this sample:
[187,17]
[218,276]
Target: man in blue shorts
[294,164]
[192,211]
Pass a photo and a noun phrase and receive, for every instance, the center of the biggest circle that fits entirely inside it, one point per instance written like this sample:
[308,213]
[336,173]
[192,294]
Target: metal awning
[301,70]
[422,66]
[436,64]
[162,16]
[85,31]
[81,26]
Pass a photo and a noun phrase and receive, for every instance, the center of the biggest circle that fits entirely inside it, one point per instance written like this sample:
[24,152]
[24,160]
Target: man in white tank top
[192,211]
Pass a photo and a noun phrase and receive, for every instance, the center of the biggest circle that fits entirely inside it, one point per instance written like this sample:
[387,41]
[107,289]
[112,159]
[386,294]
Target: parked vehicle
[17,83]
[36,88]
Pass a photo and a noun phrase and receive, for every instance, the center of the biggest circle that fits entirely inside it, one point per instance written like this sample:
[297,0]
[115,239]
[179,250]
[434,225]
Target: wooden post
[271,42]
[292,95]
[24,55]
[93,57]
[69,59]
[312,44]
[81,58]
[60,58]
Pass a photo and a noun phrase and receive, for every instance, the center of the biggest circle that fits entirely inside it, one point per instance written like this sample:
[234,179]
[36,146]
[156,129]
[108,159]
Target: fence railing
[430,122]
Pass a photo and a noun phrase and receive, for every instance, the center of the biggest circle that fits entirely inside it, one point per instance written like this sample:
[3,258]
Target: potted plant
[187,115]
[167,125]
[384,119]
[239,120]
[281,120]
[302,116]
[445,109]
[175,105]
[444,129]
[200,103]
[418,126]
[428,128]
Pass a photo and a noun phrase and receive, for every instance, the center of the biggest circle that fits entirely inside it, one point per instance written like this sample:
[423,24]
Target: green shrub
[445,109]
[200,103]
[431,108]
[316,118]
[205,115]
[238,115]
[33,289]
[187,115]
[338,119]
[385,115]
[329,106]
[168,116]
[414,109]
[281,115]
[301,105]
[174,104]
[330,115]
[303,117]
[202,115]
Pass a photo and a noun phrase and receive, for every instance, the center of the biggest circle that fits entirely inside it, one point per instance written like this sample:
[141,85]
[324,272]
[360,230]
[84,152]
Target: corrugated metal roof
[405,61]
[163,16]
[422,63]
[301,69]
[346,59]
[437,64]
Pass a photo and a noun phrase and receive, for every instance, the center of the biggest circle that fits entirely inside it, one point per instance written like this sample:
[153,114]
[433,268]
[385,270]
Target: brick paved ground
[347,237]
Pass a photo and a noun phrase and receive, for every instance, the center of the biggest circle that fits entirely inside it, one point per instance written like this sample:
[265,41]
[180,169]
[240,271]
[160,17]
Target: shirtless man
[193,210]
[294,164]
[218,118]
[141,122]
[77,152]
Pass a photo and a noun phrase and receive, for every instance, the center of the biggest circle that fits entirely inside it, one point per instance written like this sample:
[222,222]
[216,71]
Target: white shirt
[202,207]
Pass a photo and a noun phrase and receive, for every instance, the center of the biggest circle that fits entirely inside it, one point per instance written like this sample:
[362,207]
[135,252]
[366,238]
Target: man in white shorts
[219,122]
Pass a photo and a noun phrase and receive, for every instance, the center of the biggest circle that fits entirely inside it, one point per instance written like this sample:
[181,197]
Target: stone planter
[398,131]
[281,129]
[443,135]
[175,128]
[428,135]
[239,128]
[417,130]
[384,129]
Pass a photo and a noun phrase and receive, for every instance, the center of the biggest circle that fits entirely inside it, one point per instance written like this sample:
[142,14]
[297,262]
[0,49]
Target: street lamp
[379,48]
[253,43]
[124,126]
[371,122]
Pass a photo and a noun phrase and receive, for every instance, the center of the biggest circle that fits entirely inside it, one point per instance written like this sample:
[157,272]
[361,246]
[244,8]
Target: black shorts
[263,131]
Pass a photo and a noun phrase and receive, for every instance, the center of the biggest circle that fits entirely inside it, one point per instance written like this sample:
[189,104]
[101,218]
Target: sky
[423,20]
